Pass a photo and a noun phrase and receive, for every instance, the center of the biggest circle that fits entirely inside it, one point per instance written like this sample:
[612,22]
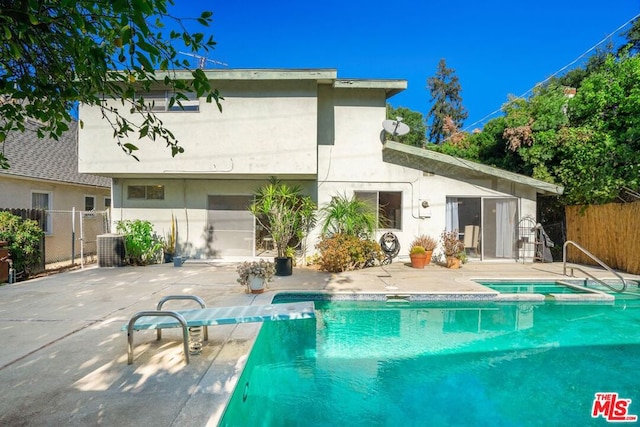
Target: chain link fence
[72,237]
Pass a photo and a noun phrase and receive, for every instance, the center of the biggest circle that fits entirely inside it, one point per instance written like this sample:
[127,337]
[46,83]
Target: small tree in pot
[285,214]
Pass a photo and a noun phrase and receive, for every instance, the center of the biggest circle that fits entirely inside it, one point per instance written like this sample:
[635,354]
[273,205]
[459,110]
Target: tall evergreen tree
[446,102]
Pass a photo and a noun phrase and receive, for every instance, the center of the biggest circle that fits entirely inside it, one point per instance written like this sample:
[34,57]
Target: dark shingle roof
[46,158]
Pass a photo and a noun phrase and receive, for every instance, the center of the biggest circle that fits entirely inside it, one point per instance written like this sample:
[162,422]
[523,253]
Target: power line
[559,71]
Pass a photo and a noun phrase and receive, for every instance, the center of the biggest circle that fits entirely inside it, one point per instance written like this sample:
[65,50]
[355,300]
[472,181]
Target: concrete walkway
[64,357]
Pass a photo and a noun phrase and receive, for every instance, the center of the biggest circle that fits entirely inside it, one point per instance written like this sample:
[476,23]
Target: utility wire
[557,72]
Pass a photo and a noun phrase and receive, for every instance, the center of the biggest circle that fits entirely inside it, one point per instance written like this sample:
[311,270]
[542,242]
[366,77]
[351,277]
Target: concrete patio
[64,358]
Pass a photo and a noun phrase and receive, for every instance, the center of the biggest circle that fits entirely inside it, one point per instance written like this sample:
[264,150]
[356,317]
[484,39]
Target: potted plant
[255,275]
[169,244]
[418,256]
[453,248]
[285,214]
[428,243]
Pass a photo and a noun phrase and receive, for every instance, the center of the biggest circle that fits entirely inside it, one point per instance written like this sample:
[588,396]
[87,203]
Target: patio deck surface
[64,356]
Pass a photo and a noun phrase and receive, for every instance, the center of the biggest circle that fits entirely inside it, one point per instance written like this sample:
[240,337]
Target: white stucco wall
[259,122]
[186,200]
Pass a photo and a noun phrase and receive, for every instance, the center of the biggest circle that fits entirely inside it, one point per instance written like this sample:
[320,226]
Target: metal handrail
[596,259]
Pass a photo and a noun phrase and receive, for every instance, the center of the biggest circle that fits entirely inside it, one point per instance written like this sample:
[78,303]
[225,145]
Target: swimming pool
[473,363]
[565,290]
[542,287]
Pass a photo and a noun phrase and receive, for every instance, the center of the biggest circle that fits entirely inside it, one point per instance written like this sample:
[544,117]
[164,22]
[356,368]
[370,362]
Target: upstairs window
[158,101]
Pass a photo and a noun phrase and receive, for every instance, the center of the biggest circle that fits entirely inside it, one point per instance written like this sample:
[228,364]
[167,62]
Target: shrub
[427,242]
[350,216]
[142,245]
[261,268]
[23,238]
[343,252]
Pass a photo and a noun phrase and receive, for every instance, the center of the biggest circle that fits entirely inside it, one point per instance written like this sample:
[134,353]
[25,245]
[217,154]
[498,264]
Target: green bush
[23,238]
[142,245]
[343,252]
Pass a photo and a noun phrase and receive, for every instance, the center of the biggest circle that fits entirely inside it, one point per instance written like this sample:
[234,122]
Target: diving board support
[204,317]
[182,297]
[175,315]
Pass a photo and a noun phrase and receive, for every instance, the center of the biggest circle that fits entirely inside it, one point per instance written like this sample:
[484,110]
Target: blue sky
[497,48]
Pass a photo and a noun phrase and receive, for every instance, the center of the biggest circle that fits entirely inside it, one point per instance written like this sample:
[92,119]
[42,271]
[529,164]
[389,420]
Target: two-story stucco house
[311,128]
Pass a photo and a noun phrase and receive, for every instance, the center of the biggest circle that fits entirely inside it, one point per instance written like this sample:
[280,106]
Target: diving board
[163,319]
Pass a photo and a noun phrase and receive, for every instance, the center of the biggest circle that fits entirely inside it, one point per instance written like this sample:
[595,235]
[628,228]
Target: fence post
[73,235]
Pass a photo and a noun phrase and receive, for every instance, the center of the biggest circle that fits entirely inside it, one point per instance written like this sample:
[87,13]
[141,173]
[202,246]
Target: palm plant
[351,216]
[283,212]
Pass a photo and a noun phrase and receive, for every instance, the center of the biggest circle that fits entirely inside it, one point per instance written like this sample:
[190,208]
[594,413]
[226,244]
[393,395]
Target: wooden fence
[611,232]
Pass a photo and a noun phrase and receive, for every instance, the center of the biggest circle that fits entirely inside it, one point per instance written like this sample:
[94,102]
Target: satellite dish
[395,127]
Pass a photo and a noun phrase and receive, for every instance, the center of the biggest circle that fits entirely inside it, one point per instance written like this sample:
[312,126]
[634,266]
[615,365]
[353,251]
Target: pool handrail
[596,259]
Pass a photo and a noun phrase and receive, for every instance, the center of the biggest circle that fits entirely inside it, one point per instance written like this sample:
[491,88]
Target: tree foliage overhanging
[581,130]
[57,53]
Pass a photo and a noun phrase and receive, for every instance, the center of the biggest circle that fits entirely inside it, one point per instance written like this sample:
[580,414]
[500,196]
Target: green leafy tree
[633,38]
[56,54]
[446,100]
[416,123]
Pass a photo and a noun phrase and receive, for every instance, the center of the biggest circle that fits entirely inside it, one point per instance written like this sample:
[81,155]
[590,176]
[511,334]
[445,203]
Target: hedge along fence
[611,232]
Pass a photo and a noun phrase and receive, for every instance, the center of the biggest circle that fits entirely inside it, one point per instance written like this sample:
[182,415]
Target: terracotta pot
[256,284]
[453,262]
[418,260]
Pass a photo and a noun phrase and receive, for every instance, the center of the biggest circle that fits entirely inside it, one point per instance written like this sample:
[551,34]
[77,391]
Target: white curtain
[505,228]
[452,214]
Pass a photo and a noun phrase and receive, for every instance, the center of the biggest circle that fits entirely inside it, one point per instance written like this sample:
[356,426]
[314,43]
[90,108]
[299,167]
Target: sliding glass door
[486,225]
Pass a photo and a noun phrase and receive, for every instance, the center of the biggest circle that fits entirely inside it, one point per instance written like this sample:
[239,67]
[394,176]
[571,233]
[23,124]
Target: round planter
[284,266]
[418,260]
[256,284]
[429,256]
[453,262]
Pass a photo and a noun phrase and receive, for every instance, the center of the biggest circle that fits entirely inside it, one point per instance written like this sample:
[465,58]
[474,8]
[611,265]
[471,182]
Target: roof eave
[455,167]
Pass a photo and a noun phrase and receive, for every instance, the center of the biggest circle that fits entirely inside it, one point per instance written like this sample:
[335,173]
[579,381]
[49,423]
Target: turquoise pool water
[436,364]
[512,287]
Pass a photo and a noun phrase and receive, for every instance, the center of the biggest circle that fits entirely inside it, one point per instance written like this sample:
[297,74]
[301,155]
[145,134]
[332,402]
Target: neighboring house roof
[457,168]
[45,158]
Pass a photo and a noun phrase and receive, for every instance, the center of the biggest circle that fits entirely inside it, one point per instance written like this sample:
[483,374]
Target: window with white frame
[89,203]
[160,101]
[145,192]
[43,200]
[388,207]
